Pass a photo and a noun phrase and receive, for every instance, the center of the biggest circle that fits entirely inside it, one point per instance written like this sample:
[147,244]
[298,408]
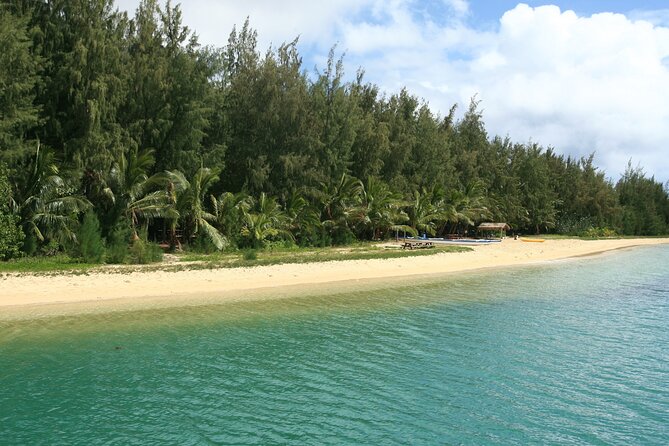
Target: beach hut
[492,229]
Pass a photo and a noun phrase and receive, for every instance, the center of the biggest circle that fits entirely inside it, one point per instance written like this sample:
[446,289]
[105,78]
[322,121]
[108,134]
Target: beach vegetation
[143,252]
[597,233]
[89,245]
[118,244]
[45,264]
[178,147]
[250,254]
[11,235]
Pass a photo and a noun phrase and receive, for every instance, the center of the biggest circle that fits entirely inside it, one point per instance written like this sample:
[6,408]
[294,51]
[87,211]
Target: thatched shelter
[494,229]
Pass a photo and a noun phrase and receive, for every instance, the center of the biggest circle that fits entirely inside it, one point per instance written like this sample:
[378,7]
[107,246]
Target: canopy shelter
[494,228]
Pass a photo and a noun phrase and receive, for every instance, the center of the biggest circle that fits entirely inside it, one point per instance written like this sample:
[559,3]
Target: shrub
[250,254]
[11,236]
[118,244]
[202,245]
[143,252]
[49,248]
[90,247]
[280,245]
[573,226]
[598,233]
[343,236]
[30,245]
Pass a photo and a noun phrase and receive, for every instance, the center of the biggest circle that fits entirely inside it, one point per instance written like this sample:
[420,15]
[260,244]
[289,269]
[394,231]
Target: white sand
[43,294]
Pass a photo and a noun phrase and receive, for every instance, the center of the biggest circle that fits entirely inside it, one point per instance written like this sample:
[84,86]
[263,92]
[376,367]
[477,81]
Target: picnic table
[417,244]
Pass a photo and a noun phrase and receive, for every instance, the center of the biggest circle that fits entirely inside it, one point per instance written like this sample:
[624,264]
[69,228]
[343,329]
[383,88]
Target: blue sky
[581,76]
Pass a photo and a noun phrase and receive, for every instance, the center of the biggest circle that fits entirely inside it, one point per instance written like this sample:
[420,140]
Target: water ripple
[574,353]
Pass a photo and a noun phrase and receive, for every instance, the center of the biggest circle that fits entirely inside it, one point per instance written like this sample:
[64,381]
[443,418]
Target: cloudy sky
[578,75]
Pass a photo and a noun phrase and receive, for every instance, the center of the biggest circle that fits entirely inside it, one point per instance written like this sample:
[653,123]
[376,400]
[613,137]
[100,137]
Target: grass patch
[236,259]
[307,255]
[44,264]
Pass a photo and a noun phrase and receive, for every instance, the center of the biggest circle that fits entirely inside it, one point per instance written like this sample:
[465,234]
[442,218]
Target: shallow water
[571,353]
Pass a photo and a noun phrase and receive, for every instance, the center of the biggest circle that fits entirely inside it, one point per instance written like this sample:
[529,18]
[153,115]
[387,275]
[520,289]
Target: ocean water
[572,352]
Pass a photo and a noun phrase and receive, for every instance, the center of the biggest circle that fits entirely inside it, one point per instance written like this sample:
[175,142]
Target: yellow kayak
[535,240]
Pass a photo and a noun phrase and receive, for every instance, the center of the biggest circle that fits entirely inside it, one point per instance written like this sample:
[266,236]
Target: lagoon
[571,352]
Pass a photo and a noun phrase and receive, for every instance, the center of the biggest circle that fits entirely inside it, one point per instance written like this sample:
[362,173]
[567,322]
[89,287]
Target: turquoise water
[569,353]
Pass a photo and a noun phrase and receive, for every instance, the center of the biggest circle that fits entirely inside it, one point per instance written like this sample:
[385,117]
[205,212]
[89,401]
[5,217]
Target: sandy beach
[26,295]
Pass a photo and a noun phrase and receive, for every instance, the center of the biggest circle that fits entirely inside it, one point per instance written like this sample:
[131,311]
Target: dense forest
[119,131]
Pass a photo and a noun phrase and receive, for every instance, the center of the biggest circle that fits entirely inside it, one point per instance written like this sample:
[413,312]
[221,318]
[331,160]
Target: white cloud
[582,84]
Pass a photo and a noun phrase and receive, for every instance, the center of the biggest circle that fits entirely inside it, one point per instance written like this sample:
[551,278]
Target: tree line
[116,130]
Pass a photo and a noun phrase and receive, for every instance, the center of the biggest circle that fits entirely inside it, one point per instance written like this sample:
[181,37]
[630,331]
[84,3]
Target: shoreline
[27,296]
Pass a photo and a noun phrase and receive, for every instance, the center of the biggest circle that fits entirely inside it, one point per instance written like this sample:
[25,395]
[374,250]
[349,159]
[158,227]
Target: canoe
[535,240]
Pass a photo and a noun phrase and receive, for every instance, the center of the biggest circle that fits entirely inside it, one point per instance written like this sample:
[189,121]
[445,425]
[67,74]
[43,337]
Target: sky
[580,76]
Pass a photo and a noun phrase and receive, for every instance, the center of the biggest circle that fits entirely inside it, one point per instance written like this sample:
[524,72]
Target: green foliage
[46,204]
[118,243]
[188,199]
[18,77]
[263,222]
[573,226]
[143,252]
[90,247]
[30,245]
[380,211]
[126,193]
[84,82]
[250,254]
[598,233]
[645,203]
[44,264]
[11,236]
[202,245]
[230,147]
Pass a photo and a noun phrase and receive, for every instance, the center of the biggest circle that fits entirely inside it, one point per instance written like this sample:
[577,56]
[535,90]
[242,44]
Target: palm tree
[302,215]
[425,211]
[187,199]
[380,210]
[338,203]
[44,203]
[466,207]
[265,221]
[229,210]
[128,193]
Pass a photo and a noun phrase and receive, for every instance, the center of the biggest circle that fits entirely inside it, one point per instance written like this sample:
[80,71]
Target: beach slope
[40,295]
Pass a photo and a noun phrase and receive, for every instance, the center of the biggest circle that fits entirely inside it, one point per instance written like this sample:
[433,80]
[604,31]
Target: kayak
[535,240]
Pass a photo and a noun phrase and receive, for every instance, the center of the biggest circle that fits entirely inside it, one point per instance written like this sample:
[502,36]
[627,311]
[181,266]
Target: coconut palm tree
[187,199]
[304,218]
[338,204]
[229,210]
[44,202]
[380,210]
[465,207]
[128,193]
[425,211]
[264,221]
